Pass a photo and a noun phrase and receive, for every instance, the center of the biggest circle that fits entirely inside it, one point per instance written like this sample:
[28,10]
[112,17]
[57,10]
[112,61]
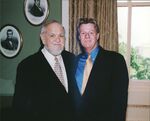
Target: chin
[55,52]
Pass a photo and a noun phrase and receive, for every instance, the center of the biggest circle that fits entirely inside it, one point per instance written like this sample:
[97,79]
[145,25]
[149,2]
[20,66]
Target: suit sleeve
[119,89]
[22,102]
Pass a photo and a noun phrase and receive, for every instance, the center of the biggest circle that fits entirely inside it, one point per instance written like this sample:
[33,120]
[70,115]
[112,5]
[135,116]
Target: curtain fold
[104,11]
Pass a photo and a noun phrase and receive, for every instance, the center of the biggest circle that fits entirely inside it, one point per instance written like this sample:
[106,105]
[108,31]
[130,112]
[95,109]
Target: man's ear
[97,36]
[42,36]
[79,37]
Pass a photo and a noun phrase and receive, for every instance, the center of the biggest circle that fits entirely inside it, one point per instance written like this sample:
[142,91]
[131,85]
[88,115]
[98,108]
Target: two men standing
[94,87]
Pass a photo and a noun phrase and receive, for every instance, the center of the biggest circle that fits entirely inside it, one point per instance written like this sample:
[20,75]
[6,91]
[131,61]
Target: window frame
[131,4]
[139,90]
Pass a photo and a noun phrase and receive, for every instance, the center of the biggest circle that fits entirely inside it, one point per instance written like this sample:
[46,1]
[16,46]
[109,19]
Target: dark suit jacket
[39,95]
[105,96]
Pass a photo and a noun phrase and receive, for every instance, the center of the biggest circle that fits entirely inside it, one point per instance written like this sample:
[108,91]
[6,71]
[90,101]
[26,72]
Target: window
[134,37]
[134,44]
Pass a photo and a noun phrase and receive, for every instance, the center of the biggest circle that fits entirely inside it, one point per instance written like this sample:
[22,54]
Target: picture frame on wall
[10,41]
[36,11]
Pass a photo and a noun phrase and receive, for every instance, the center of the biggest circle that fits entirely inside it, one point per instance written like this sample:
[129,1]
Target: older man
[44,80]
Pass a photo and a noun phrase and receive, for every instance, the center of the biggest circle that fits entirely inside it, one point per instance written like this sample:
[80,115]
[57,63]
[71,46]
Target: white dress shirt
[51,60]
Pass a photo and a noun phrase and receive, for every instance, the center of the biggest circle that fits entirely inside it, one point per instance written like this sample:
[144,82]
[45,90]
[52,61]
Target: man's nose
[58,39]
[87,35]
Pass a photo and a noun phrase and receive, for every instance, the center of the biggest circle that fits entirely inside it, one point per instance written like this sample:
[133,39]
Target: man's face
[88,36]
[9,34]
[54,38]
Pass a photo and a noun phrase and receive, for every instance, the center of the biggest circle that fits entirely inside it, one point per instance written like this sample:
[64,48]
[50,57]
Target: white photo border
[36,20]
[16,34]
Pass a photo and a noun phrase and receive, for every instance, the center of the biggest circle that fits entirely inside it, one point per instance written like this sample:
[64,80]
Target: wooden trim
[138,106]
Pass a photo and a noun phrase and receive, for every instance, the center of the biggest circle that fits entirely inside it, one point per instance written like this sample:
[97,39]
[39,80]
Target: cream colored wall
[139,101]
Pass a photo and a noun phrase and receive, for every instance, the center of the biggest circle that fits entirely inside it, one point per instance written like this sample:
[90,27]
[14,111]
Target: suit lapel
[49,71]
[67,63]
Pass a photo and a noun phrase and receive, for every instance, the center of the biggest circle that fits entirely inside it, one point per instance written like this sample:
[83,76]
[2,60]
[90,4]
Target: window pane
[140,1]
[133,0]
[140,43]
[122,29]
[122,1]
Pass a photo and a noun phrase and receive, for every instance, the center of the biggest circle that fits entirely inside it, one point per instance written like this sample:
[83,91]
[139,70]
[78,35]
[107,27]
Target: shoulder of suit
[113,56]
[111,53]
[67,53]
[31,59]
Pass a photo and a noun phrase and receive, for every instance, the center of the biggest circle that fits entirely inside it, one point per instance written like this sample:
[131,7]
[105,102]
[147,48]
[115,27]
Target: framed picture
[10,41]
[36,11]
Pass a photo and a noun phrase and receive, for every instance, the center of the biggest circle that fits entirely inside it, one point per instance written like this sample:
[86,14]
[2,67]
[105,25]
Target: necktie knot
[89,60]
[56,60]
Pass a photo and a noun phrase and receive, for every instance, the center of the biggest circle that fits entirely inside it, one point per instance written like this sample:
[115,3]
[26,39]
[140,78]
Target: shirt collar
[93,53]
[49,57]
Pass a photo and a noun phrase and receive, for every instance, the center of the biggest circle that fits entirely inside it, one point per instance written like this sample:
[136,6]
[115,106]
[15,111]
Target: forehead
[55,27]
[88,26]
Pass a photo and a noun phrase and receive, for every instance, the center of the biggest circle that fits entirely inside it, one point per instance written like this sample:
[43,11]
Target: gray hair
[43,29]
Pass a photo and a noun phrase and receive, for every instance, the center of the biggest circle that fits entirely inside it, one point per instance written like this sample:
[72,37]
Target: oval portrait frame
[36,12]
[11,41]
